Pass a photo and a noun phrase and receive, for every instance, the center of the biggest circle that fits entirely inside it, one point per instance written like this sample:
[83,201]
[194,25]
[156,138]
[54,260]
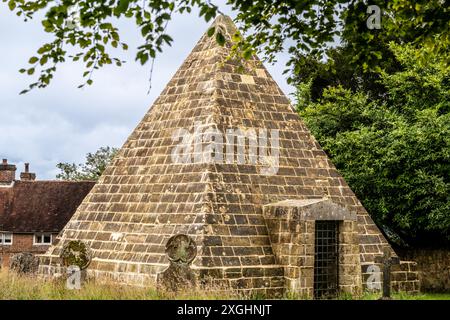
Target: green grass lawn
[15,287]
[421,296]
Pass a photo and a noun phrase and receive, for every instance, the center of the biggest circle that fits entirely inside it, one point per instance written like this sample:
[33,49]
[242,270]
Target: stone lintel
[307,209]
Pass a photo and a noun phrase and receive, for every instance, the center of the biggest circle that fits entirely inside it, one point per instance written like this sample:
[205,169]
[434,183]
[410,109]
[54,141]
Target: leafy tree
[269,27]
[393,151]
[92,169]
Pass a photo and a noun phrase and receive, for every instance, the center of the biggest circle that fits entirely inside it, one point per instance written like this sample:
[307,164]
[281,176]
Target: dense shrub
[394,151]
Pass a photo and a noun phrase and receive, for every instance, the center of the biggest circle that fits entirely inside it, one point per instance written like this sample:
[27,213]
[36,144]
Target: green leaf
[122,6]
[43,60]
[220,38]
[247,54]
[211,31]
[143,58]
[115,36]
[210,14]
[167,39]
[46,47]
[33,60]
[146,29]
[12,5]
[106,25]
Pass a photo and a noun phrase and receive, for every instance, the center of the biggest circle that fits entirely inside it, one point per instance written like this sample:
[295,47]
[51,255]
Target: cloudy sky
[62,123]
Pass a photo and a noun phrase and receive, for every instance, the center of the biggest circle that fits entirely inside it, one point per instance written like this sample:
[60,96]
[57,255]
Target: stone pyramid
[254,230]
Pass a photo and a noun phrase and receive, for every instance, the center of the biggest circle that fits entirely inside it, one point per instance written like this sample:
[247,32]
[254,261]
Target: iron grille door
[326,259]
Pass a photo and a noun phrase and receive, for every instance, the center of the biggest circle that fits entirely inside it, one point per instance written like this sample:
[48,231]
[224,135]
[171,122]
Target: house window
[6,238]
[42,238]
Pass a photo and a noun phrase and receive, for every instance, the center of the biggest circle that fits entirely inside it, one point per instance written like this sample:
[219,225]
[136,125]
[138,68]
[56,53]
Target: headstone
[76,256]
[76,253]
[181,251]
[24,263]
[387,260]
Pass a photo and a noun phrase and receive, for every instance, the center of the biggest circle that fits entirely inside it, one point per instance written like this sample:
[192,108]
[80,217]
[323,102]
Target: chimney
[27,176]
[7,172]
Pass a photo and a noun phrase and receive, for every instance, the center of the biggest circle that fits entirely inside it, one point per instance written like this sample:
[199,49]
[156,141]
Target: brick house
[33,212]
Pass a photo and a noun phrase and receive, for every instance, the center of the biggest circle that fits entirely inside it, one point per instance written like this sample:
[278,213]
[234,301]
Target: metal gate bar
[326,262]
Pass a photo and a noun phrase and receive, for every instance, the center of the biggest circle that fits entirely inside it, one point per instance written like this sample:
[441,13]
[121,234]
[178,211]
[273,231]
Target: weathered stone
[76,253]
[181,251]
[432,265]
[24,263]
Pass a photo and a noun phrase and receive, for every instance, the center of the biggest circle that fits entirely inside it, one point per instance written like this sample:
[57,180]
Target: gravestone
[181,251]
[76,253]
[24,263]
[387,260]
[76,256]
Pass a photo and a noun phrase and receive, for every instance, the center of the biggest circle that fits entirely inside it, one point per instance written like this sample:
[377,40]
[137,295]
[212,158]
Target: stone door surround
[291,225]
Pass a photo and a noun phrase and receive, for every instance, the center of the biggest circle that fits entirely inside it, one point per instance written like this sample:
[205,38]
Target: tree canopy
[393,150]
[92,169]
[307,27]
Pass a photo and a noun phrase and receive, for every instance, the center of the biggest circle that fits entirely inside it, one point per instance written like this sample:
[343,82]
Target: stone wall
[293,245]
[433,266]
[350,278]
[405,277]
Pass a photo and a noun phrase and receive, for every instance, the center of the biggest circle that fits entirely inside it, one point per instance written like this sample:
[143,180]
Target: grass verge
[18,287]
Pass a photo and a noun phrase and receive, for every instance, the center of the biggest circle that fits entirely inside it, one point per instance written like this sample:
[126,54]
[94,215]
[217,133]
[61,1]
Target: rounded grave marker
[76,253]
[181,249]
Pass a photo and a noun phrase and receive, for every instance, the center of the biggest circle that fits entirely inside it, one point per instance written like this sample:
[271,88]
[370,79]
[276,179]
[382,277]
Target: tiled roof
[40,206]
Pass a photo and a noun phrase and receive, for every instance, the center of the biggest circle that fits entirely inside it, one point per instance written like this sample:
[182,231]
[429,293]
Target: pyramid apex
[226,23]
[223,18]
